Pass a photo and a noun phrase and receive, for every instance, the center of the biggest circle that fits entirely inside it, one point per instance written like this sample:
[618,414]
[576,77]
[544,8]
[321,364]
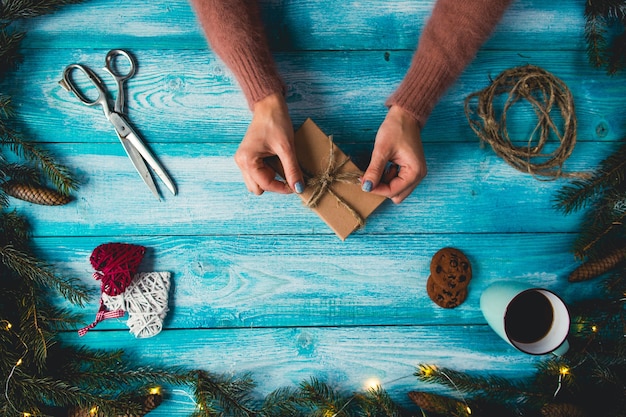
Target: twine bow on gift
[322,182]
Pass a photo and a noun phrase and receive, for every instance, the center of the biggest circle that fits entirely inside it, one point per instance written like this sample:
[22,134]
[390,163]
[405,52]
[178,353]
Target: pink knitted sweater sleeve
[450,40]
[236,34]
[452,36]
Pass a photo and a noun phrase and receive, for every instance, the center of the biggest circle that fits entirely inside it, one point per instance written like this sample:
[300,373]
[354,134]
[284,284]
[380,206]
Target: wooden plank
[300,25]
[190,96]
[467,190]
[346,358]
[279,281]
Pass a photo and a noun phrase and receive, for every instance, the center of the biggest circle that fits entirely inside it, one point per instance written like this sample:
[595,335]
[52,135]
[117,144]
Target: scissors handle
[118,75]
[67,82]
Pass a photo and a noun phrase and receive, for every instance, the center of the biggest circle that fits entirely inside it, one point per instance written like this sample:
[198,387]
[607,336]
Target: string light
[427,370]
[372,384]
[155,391]
[8,326]
[93,411]
[467,407]
[563,371]
[594,328]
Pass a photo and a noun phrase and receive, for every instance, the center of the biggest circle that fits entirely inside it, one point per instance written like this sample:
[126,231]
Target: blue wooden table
[261,284]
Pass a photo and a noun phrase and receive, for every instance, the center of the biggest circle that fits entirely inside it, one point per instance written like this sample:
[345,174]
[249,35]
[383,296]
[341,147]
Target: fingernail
[299,186]
[367,186]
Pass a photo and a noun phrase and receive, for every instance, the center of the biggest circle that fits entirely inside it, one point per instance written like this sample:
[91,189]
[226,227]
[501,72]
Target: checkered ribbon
[101,315]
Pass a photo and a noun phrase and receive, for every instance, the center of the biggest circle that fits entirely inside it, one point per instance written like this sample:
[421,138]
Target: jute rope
[543,91]
[321,183]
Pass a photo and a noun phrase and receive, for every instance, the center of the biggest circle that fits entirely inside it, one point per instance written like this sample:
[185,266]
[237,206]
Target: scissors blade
[140,166]
[151,160]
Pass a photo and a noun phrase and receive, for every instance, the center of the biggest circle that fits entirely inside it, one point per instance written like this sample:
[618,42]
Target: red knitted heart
[116,264]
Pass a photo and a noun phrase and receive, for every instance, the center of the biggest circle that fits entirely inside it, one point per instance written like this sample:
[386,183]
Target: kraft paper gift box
[333,189]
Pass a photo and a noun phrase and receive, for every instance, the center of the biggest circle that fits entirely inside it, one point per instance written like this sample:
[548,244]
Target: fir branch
[40,273]
[283,402]
[20,9]
[58,174]
[30,393]
[14,229]
[323,400]
[595,36]
[9,47]
[610,173]
[377,402]
[496,388]
[220,395]
[600,16]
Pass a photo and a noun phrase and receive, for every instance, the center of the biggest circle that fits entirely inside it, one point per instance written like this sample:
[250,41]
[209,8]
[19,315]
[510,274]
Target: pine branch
[610,173]
[30,393]
[222,395]
[59,175]
[377,402]
[600,16]
[21,9]
[283,402]
[323,399]
[40,273]
[496,388]
[595,36]
[9,47]
[13,230]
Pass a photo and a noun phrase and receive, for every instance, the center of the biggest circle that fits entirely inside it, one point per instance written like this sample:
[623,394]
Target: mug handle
[561,350]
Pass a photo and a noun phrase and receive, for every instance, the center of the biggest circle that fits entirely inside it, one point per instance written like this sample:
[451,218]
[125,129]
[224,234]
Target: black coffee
[529,317]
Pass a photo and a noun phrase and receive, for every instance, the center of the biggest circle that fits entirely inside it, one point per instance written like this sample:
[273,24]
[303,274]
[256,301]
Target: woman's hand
[398,141]
[270,134]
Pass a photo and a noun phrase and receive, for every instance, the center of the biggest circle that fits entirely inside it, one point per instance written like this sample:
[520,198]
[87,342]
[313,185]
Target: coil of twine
[544,92]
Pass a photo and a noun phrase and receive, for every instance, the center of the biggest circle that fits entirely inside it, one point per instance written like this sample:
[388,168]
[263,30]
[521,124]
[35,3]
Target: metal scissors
[136,150]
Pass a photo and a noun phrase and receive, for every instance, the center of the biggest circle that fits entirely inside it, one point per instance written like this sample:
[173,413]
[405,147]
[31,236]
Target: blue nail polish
[299,187]
[367,186]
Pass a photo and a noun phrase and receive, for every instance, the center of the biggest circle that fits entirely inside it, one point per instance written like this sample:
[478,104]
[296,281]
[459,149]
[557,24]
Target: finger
[400,186]
[265,178]
[374,172]
[391,171]
[291,169]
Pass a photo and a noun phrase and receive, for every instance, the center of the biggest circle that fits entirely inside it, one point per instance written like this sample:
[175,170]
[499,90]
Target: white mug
[533,320]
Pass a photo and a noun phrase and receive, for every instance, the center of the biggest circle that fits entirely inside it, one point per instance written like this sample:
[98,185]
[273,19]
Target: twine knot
[321,183]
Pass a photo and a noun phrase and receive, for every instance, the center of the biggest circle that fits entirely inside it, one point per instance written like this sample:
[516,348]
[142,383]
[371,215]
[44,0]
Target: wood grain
[260,284]
[189,96]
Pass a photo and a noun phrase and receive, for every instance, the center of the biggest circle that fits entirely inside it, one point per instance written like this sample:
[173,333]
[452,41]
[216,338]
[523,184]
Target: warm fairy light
[155,391]
[26,414]
[9,325]
[372,384]
[594,328]
[93,411]
[564,370]
[19,362]
[469,410]
[426,370]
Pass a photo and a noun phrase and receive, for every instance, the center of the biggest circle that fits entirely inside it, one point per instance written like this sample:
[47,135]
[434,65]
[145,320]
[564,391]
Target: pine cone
[149,402]
[35,193]
[438,404]
[595,268]
[562,410]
